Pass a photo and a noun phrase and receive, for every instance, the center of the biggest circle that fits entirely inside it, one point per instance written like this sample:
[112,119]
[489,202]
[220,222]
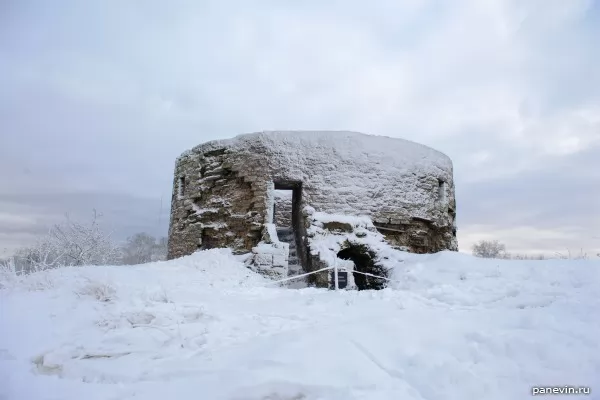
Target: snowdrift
[449,326]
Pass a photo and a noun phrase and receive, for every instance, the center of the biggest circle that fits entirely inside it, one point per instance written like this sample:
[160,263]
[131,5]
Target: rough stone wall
[221,190]
[419,234]
[283,208]
[215,205]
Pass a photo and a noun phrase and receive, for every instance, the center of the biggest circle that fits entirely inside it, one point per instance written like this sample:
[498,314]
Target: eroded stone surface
[283,208]
[338,226]
[221,189]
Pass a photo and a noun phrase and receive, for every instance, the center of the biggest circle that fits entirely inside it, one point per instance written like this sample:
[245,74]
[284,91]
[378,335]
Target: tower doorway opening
[287,217]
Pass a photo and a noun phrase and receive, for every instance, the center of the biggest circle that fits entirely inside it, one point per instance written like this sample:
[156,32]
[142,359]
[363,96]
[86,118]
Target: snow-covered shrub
[137,318]
[8,273]
[160,296]
[11,276]
[101,291]
[69,243]
[144,248]
[489,249]
[582,255]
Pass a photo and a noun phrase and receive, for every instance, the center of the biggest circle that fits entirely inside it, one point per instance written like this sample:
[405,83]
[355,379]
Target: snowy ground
[204,327]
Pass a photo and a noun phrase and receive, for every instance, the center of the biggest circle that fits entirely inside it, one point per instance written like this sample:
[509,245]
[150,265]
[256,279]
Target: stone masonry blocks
[220,188]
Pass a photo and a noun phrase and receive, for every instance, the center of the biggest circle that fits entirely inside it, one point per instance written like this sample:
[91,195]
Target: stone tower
[224,191]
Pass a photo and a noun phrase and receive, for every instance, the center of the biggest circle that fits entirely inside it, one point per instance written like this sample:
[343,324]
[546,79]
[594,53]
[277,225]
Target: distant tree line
[73,243]
[495,249]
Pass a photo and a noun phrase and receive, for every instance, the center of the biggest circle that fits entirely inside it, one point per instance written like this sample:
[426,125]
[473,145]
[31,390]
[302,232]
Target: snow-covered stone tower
[225,191]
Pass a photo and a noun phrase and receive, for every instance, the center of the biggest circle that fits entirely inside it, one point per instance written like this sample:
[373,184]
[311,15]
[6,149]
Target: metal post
[335,274]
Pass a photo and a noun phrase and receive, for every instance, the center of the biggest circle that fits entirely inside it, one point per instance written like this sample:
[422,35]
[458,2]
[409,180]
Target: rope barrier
[328,268]
[300,276]
[374,276]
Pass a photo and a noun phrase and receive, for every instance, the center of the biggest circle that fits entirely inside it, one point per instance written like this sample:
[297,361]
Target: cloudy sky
[98,97]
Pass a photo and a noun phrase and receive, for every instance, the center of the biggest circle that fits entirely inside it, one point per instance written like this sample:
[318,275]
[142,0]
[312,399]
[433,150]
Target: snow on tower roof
[365,151]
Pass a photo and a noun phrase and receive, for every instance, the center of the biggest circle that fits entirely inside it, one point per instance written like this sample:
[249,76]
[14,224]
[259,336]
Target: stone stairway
[286,234]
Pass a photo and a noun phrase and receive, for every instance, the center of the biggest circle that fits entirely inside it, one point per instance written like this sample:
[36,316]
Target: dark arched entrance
[364,261]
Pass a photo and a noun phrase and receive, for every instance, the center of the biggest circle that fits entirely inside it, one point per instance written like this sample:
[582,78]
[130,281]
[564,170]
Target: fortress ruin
[262,189]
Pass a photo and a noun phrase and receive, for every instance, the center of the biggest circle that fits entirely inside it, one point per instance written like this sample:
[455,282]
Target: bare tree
[70,243]
[81,244]
[160,250]
[489,249]
[138,249]
[142,248]
[8,271]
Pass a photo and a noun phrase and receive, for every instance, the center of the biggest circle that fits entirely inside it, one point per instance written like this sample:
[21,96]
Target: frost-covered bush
[489,249]
[11,277]
[143,248]
[69,243]
[8,272]
[160,296]
[101,291]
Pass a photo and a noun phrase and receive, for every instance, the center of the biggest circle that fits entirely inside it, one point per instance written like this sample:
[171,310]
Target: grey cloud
[559,197]
[122,214]
[91,116]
